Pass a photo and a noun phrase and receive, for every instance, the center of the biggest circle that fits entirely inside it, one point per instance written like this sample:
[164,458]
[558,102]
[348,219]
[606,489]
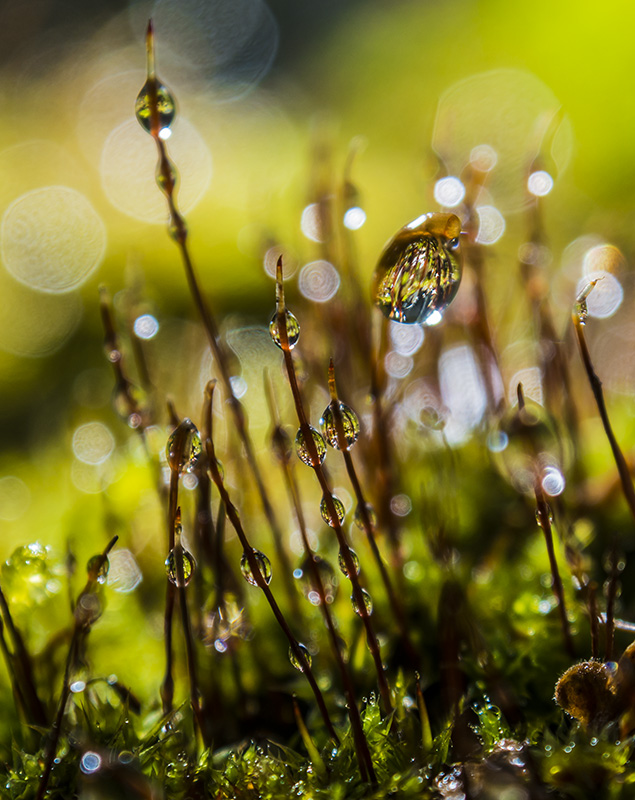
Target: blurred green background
[416,85]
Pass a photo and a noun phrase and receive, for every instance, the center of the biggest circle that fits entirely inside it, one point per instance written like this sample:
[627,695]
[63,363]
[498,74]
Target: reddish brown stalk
[593,614]
[166,179]
[361,745]
[543,517]
[187,634]
[81,628]
[578,316]
[254,567]
[305,428]
[395,604]
[381,427]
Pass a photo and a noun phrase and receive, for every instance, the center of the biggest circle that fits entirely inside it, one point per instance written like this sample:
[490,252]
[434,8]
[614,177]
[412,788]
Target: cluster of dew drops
[184,449]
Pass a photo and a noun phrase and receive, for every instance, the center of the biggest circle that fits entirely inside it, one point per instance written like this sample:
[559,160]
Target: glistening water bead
[302,446]
[339,510]
[296,661]
[264,565]
[165,105]
[368,603]
[419,271]
[97,568]
[350,425]
[293,329]
[184,447]
[171,567]
[342,562]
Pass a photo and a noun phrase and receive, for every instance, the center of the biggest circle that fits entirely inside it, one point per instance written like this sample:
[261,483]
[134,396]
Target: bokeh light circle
[52,239]
[128,164]
[319,281]
[93,443]
[449,192]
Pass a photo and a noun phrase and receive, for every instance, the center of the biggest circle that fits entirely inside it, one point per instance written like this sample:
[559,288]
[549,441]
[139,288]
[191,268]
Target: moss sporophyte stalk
[422,593]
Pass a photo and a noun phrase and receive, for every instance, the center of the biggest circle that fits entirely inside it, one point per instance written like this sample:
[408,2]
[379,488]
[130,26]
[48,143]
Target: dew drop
[350,426]
[264,565]
[358,517]
[339,510]
[342,562]
[303,450]
[184,447]
[164,103]
[539,515]
[97,568]
[188,567]
[296,661]
[419,271]
[293,329]
[368,603]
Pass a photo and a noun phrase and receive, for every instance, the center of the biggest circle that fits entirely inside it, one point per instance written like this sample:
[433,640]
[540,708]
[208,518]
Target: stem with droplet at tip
[166,179]
[80,630]
[543,516]
[361,745]
[254,566]
[395,603]
[371,636]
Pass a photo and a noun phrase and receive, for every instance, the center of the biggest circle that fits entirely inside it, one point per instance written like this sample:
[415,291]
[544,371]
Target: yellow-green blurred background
[415,85]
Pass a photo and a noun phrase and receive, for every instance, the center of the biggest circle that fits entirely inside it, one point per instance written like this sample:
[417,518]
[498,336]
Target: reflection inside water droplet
[368,603]
[340,511]
[187,565]
[163,102]
[293,329]
[264,566]
[419,271]
[350,425]
[303,450]
[295,661]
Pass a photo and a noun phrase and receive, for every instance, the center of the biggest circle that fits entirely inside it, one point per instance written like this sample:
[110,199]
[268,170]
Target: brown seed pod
[587,692]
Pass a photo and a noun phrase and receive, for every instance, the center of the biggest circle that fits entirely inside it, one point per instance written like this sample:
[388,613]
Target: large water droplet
[419,271]
[302,446]
[327,577]
[342,562]
[166,107]
[296,661]
[350,426]
[368,603]
[358,518]
[171,564]
[97,568]
[339,510]
[293,329]
[184,447]
[264,565]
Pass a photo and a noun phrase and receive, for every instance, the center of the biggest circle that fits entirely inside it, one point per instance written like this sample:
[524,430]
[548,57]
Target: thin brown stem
[345,551]
[395,603]
[544,520]
[166,179]
[361,745]
[81,628]
[598,394]
[254,567]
